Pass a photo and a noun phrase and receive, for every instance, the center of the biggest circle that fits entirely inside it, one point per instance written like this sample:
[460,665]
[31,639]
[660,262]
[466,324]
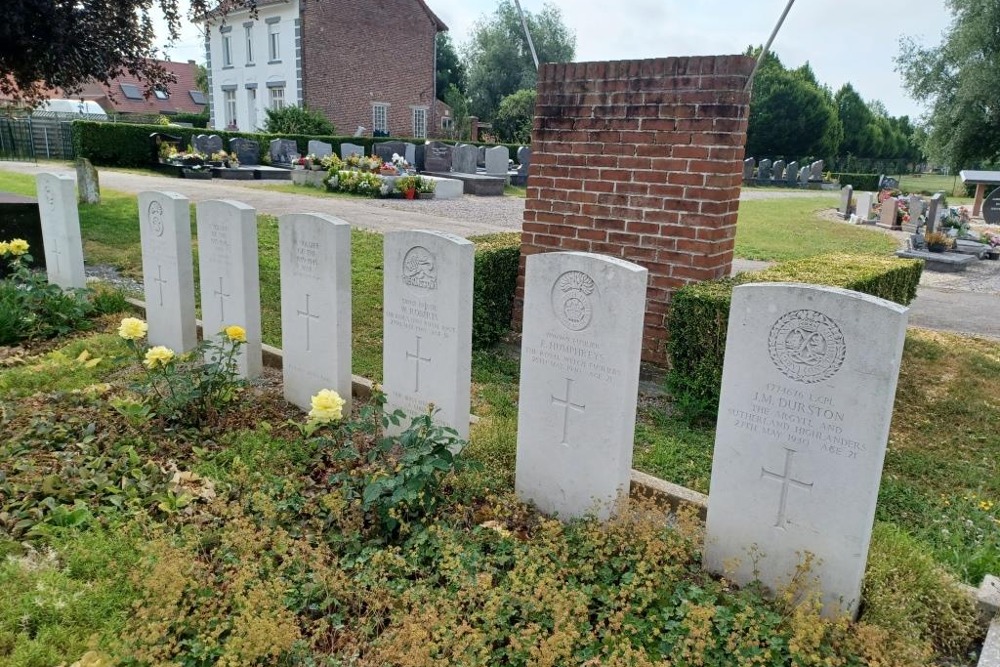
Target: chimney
[191,62]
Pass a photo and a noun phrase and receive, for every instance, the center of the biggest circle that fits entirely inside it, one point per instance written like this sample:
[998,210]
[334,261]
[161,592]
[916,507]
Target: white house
[253,65]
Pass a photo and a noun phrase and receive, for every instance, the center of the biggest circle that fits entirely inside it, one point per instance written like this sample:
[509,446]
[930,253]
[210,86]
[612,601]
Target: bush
[699,316]
[515,117]
[199,120]
[862,182]
[297,120]
[497,259]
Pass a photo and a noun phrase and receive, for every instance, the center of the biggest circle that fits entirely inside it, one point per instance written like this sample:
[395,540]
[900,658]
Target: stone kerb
[641,160]
[580,355]
[808,385]
[315,252]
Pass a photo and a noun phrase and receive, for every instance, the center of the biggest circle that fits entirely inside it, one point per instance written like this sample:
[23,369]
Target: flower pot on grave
[411,193]
[425,195]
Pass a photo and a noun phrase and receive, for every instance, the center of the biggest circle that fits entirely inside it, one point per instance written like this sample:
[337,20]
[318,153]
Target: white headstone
[807,392]
[497,161]
[865,200]
[61,229]
[427,325]
[230,275]
[887,215]
[315,306]
[580,351]
[168,269]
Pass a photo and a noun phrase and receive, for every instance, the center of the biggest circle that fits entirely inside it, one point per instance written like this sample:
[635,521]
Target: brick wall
[641,160]
[358,53]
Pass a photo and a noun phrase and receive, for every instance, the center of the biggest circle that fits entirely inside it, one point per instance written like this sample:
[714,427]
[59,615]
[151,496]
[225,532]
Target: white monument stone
[864,206]
[168,269]
[580,351]
[887,214]
[497,161]
[807,393]
[61,229]
[315,306]
[427,325]
[230,275]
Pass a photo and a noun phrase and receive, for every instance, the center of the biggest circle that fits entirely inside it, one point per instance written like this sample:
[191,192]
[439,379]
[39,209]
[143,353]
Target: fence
[36,136]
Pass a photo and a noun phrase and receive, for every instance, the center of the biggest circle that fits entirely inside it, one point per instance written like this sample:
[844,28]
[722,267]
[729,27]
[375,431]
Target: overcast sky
[843,40]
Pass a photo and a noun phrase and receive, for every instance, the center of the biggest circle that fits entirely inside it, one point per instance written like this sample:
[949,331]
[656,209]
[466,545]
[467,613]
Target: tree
[456,99]
[297,120]
[515,117]
[201,78]
[857,122]
[497,58]
[958,80]
[450,71]
[47,44]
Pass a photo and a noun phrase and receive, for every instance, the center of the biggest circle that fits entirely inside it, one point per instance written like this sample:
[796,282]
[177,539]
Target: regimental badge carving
[50,197]
[155,214]
[572,300]
[806,346]
[420,269]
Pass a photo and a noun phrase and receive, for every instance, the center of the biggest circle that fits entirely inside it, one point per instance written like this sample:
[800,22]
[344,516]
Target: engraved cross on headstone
[160,280]
[309,316]
[786,480]
[55,251]
[222,300]
[566,404]
[416,357]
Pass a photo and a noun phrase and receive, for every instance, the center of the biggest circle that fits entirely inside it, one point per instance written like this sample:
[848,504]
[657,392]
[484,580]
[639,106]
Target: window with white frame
[248,35]
[227,50]
[273,41]
[229,107]
[277,97]
[380,118]
[420,122]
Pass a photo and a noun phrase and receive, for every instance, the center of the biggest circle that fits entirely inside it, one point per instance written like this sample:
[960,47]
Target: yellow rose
[18,247]
[236,334]
[4,248]
[159,356]
[327,406]
[132,328]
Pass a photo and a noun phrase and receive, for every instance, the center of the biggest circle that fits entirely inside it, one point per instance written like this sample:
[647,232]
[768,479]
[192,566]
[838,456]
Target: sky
[843,40]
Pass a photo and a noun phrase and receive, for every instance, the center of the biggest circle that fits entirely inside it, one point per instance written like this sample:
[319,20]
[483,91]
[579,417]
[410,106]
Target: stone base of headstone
[476,184]
[309,178]
[445,188]
[265,173]
[232,174]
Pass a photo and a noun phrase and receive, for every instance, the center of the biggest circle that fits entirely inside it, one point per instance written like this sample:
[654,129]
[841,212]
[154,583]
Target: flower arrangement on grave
[400,163]
[331,162]
[425,185]
[167,151]
[990,239]
[938,241]
[355,181]
[407,185]
[388,169]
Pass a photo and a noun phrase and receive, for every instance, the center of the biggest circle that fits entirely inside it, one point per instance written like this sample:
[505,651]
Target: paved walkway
[966,303]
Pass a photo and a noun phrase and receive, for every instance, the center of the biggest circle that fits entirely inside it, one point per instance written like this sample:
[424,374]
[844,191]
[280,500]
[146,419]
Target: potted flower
[388,169]
[398,161]
[314,162]
[407,185]
[993,241]
[425,188]
[938,241]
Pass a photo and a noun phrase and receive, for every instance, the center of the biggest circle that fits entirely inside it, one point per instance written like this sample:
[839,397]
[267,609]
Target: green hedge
[497,257]
[860,182]
[127,145]
[699,316]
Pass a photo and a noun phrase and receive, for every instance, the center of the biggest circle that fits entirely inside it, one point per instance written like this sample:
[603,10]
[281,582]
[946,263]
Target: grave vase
[410,194]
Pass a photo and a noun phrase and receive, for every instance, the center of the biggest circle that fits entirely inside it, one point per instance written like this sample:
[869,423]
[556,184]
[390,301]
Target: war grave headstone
[230,275]
[991,208]
[934,208]
[208,143]
[808,385]
[523,165]
[319,148]
[438,156]
[887,214]
[778,170]
[463,160]
[348,149]
[792,173]
[88,182]
[846,193]
[386,149]
[168,269]
[61,229]
[764,170]
[315,253]
[427,325]
[816,171]
[580,352]
[748,167]
[283,152]
[497,161]
[864,206]
[247,151]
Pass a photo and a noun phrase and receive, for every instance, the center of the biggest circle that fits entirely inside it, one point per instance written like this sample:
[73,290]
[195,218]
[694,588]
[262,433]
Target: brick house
[362,64]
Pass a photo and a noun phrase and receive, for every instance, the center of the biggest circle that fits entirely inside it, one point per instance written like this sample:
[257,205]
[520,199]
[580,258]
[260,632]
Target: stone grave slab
[934,209]
[247,151]
[168,269]
[230,275]
[283,151]
[808,386]
[19,219]
[61,229]
[445,188]
[438,156]
[942,262]
[88,182]
[523,166]
[386,149]
[764,170]
[792,173]
[497,161]
[478,185]
[319,148]
[347,149]
[427,325]
[864,206]
[846,193]
[463,160]
[748,166]
[315,253]
[778,171]
[887,214]
[580,351]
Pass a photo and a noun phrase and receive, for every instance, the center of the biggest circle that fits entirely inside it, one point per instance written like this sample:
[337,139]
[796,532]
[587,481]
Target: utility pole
[527,35]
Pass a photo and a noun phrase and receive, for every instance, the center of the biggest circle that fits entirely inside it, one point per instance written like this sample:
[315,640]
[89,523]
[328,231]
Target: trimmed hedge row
[495,279]
[699,317]
[127,145]
[860,182]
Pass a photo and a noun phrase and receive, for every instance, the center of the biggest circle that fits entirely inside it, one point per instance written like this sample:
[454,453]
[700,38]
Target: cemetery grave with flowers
[170,501]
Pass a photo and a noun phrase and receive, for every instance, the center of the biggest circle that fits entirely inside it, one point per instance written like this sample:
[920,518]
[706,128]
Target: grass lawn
[952,186]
